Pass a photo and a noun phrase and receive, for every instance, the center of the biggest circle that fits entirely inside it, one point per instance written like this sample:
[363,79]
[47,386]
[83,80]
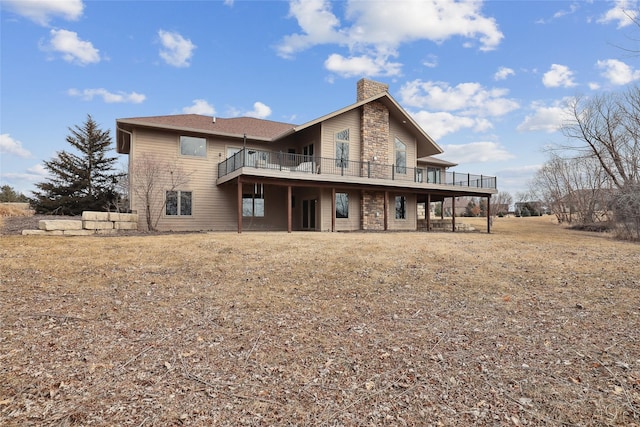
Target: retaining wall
[91,223]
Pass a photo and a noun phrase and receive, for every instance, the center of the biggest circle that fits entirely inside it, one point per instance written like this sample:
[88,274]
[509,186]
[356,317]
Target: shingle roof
[253,128]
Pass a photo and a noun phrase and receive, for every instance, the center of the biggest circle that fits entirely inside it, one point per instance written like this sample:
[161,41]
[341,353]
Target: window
[253,202]
[192,146]
[178,203]
[401,207]
[433,175]
[342,148]
[401,157]
[342,205]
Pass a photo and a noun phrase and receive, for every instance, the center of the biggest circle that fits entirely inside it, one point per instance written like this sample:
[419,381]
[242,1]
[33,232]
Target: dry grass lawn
[532,325]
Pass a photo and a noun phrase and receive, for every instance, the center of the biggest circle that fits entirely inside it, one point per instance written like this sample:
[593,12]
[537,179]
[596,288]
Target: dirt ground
[532,325]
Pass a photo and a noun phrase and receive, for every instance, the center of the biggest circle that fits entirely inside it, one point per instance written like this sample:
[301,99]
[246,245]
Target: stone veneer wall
[372,211]
[91,223]
[374,147]
[375,134]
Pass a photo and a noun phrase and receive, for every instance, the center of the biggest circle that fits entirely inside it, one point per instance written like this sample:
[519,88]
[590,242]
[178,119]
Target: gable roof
[267,130]
[426,145]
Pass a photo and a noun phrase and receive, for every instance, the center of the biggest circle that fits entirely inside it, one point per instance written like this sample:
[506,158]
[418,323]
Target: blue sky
[487,80]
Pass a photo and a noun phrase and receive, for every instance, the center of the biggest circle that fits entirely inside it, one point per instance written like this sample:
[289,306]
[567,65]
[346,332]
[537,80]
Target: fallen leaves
[320,329]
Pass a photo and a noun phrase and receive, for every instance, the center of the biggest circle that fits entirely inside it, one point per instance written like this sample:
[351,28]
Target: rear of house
[368,166]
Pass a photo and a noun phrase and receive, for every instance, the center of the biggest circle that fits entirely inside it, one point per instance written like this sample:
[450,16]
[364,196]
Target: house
[367,166]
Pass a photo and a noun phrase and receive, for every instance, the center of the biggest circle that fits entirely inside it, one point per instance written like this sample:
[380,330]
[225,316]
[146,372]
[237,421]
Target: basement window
[178,203]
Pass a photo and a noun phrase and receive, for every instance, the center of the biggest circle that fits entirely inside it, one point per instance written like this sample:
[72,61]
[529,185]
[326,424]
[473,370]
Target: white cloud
[503,73]
[38,170]
[466,98]
[318,24]
[431,61]
[108,97]
[260,111]
[73,49]
[545,118]
[624,13]
[390,24]
[573,7]
[8,145]
[176,50]
[200,106]
[373,34]
[617,72]
[558,76]
[35,173]
[361,66]
[43,11]
[442,123]
[474,152]
[516,179]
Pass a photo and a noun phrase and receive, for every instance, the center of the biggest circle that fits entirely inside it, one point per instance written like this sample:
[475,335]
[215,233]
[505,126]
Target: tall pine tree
[82,181]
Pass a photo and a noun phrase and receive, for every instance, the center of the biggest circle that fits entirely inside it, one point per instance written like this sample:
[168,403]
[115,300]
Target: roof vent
[214,119]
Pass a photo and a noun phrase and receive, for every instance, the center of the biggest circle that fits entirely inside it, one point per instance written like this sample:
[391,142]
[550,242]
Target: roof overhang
[425,144]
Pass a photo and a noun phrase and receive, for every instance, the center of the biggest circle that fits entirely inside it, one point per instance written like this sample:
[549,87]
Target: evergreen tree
[82,181]
[8,194]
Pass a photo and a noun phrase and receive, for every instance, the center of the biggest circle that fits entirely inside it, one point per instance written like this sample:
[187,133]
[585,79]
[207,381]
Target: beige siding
[210,203]
[397,129]
[349,120]
[410,223]
[342,224]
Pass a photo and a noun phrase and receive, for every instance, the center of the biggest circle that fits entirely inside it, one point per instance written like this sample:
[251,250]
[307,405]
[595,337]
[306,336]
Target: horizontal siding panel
[349,120]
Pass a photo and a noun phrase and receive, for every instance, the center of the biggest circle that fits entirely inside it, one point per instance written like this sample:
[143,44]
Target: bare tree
[607,127]
[574,187]
[500,203]
[626,207]
[151,178]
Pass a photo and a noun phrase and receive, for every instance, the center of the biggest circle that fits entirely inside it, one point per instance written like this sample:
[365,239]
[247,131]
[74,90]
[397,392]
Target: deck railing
[290,162]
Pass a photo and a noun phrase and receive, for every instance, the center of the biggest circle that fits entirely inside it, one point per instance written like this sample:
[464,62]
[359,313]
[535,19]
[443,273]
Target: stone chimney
[368,88]
[375,151]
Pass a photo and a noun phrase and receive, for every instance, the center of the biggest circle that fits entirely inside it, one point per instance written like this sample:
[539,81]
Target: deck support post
[386,210]
[239,205]
[428,212]
[489,214]
[333,209]
[289,216]
[453,213]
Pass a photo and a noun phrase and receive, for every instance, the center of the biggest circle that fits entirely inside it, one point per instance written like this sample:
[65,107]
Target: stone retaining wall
[91,223]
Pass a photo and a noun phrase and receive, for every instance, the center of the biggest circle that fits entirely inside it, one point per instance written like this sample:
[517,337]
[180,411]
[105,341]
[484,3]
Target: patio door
[307,152]
[309,214]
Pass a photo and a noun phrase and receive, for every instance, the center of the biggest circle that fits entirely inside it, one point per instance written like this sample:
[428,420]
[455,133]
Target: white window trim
[178,214]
